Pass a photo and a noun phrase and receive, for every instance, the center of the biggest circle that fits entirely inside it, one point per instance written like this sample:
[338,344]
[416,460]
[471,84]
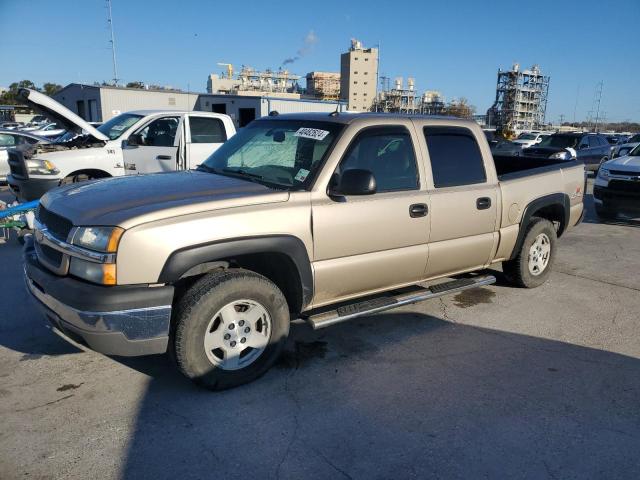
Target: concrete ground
[495,383]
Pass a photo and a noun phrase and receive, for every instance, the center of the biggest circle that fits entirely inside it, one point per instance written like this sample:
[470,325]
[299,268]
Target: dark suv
[590,148]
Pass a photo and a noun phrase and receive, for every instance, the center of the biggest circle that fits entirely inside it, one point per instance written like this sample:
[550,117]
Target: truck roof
[349,117]
[171,112]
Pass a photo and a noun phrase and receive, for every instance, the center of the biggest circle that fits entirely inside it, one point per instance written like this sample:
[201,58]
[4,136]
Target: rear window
[206,130]
[455,157]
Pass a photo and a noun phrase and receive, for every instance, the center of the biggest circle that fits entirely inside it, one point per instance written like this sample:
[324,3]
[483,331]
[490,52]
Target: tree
[135,85]
[459,108]
[51,88]
[10,96]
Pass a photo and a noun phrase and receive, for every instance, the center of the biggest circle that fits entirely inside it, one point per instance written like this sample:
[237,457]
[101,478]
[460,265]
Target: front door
[464,202]
[204,136]
[157,149]
[369,242]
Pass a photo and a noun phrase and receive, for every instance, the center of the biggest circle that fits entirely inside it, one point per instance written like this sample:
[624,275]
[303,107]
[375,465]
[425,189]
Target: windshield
[635,152]
[559,141]
[118,125]
[527,136]
[281,153]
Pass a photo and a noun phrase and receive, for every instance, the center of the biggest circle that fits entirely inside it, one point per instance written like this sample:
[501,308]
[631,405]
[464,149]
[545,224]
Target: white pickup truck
[134,142]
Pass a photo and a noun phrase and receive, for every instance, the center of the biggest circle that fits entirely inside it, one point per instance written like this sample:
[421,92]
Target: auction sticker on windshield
[312,133]
[302,174]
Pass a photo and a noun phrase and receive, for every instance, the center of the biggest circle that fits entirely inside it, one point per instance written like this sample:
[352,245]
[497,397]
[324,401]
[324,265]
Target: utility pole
[561,119]
[112,41]
[598,99]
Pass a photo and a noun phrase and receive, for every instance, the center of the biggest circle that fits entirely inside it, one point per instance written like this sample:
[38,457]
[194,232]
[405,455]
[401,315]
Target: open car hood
[62,115]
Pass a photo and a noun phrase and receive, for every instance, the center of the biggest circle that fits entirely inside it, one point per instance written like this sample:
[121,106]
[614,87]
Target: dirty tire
[200,304]
[517,270]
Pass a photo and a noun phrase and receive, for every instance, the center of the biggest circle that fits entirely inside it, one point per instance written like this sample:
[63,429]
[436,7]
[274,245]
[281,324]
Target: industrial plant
[521,99]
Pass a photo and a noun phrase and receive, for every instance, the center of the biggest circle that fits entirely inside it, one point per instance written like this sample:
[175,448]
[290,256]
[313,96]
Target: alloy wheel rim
[237,334]
[539,254]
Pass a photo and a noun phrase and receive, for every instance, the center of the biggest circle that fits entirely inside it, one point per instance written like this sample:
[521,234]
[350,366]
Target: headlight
[100,239]
[561,155]
[101,273]
[35,166]
[603,172]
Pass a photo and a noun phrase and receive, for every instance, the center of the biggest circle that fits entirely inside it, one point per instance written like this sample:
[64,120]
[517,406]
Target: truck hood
[132,200]
[48,106]
[543,151]
[625,164]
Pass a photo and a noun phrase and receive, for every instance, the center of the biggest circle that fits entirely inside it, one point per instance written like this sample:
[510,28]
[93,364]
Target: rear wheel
[231,326]
[532,265]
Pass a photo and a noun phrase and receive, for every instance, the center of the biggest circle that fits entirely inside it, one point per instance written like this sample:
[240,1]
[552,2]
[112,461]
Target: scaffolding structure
[267,81]
[406,100]
[521,99]
[323,85]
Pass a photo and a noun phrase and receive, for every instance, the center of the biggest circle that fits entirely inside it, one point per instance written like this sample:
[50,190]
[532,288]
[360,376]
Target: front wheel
[231,326]
[532,265]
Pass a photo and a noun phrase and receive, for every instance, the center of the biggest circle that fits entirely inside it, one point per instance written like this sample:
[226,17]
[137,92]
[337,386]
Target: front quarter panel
[144,249]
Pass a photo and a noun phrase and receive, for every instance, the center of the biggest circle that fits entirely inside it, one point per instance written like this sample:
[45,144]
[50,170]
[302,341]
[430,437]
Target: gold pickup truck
[320,217]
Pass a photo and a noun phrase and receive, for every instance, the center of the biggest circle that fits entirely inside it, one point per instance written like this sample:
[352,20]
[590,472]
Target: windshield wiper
[205,168]
[240,171]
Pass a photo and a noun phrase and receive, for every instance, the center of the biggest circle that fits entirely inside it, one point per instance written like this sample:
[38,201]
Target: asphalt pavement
[498,382]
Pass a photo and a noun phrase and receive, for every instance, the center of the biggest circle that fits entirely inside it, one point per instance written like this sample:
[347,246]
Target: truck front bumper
[120,320]
[31,188]
[619,196]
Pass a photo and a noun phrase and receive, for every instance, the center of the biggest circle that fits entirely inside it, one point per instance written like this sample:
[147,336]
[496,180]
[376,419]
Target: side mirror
[354,182]
[134,140]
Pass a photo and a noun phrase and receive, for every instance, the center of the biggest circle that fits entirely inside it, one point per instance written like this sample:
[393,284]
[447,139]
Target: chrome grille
[56,224]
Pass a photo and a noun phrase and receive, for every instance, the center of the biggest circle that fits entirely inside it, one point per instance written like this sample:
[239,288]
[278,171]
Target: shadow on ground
[400,395]
[591,217]
[25,335]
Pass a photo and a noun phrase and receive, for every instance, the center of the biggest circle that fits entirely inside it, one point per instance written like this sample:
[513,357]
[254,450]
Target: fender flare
[554,199]
[181,261]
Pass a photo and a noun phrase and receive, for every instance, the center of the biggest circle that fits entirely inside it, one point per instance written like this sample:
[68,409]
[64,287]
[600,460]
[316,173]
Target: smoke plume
[309,41]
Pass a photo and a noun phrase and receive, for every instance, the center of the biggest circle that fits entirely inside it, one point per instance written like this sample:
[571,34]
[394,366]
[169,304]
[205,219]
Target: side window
[584,142]
[206,130]
[7,140]
[455,157]
[388,153]
[593,141]
[160,132]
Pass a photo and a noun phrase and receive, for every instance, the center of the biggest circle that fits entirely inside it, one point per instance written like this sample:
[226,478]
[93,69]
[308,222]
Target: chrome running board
[380,304]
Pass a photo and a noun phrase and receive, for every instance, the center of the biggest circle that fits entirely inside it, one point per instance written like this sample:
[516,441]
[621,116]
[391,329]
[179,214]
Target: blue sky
[452,46]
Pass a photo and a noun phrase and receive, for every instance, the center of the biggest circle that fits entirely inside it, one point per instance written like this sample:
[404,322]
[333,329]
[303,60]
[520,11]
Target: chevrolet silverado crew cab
[134,142]
[617,186]
[314,217]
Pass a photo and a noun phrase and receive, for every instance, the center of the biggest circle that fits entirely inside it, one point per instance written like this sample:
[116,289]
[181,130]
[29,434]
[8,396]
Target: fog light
[100,273]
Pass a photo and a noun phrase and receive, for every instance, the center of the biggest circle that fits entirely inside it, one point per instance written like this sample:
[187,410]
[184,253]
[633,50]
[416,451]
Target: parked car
[320,217]
[22,141]
[505,147]
[142,141]
[590,148]
[529,139]
[50,130]
[10,125]
[623,149]
[617,186]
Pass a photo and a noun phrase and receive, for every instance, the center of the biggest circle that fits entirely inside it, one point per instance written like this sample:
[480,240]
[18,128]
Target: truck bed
[511,167]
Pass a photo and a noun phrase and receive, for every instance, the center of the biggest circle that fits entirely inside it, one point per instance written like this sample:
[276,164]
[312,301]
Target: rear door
[204,135]
[158,149]
[464,201]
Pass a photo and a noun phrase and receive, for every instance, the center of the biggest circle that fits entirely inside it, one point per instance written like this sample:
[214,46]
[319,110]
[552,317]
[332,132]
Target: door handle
[164,157]
[483,203]
[418,210]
